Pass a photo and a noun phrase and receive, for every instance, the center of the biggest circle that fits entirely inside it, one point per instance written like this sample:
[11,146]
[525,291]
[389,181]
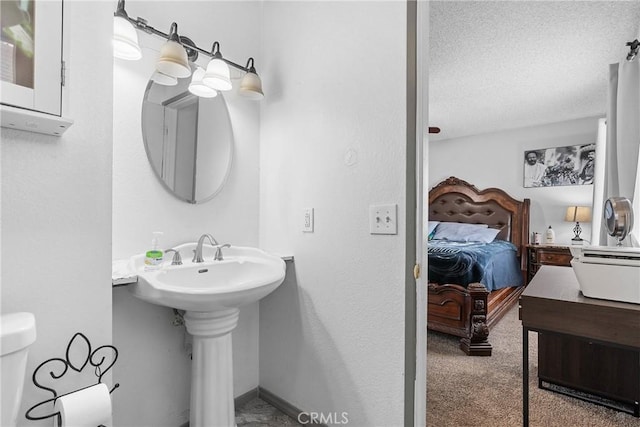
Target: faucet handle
[177,259]
[218,256]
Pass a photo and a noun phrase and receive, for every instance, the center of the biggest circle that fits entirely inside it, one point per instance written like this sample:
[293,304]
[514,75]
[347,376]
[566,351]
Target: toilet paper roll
[89,407]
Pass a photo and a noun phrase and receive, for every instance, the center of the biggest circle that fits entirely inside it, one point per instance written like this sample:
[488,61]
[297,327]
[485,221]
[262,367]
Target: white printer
[608,272]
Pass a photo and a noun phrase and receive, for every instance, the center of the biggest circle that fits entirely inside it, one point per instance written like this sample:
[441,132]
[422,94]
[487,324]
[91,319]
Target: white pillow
[461,232]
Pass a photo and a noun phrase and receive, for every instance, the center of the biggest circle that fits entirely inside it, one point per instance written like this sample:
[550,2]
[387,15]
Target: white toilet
[18,332]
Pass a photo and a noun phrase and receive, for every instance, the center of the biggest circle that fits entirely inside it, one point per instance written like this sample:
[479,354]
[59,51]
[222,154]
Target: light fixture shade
[198,88]
[125,40]
[163,79]
[578,214]
[217,75]
[251,86]
[173,60]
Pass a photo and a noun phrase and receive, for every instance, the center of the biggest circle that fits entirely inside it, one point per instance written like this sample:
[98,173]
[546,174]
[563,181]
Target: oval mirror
[188,140]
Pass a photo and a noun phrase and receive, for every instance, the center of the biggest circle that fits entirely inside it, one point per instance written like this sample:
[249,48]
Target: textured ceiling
[511,64]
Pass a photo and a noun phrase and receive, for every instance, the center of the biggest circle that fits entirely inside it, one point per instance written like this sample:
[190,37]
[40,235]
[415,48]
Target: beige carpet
[487,391]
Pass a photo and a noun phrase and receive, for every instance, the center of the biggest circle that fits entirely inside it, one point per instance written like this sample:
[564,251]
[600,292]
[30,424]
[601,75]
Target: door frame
[417,180]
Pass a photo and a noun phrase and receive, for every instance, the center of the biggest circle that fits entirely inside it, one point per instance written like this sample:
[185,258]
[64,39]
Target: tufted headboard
[456,200]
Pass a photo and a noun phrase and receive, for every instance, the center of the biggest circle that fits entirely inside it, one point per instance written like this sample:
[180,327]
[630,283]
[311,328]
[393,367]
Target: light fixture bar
[142,25]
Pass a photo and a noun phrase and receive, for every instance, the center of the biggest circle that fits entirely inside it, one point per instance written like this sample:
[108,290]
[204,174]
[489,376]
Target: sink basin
[244,276]
[211,293]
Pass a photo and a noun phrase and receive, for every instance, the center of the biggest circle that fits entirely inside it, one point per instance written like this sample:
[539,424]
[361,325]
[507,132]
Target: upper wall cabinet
[32,66]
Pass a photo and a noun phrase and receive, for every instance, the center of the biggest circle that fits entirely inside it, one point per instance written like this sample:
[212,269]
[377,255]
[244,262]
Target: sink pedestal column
[212,367]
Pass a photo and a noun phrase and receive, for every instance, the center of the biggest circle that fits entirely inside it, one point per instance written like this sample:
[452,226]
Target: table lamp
[577,214]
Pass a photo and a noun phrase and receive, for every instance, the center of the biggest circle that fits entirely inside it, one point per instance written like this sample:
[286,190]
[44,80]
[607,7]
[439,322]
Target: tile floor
[258,413]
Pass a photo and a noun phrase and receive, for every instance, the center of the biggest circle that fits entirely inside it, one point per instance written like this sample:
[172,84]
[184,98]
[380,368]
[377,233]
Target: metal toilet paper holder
[79,344]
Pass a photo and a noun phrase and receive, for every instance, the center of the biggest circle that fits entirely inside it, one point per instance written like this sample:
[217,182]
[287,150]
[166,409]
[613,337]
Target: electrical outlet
[383,219]
[307,224]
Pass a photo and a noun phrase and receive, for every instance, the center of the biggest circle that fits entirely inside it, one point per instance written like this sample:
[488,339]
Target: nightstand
[546,254]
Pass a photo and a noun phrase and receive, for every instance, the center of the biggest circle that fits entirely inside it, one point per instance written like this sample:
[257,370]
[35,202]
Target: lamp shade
[578,214]
[125,40]
[173,60]
[217,75]
[198,88]
[163,79]
[251,86]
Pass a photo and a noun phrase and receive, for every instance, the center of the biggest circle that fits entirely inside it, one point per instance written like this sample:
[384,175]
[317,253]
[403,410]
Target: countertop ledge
[122,276]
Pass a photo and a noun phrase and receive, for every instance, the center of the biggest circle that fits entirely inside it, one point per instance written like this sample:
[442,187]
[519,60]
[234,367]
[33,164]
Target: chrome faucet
[219,248]
[197,254]
[177,259]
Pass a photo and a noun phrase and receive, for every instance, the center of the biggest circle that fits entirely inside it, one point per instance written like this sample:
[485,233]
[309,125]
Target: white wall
[154,362]
[497,160]
[56,209]
[332,336]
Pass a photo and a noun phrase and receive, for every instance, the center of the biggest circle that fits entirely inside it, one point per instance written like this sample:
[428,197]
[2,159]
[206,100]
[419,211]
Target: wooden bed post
[476,343]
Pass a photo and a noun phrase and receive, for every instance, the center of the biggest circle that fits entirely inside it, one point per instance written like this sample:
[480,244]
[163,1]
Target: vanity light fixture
[634,46]
[173,59]
[176,54]
[125,38]
[251,85]
[217,75]
[197,86]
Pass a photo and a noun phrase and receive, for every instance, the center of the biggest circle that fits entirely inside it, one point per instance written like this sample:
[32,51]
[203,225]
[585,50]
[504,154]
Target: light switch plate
[307,223]
[383,219]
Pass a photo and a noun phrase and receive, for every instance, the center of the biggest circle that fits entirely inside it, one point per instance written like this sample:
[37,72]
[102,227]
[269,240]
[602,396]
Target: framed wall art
[552,167]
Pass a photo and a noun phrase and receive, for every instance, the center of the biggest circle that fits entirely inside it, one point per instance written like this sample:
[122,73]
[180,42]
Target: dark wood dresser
[587,348]
[546,254]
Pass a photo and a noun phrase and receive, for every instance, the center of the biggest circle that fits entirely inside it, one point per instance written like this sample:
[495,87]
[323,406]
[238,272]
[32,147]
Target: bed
[464,306]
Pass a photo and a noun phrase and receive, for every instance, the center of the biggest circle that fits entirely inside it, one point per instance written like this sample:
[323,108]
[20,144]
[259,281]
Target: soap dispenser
[153,257]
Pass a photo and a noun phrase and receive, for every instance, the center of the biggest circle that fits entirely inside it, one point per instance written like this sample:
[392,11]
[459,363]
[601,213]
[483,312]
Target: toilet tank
[17,333]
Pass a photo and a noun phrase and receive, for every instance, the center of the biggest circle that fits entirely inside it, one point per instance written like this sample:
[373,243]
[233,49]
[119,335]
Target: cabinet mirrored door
[31,54]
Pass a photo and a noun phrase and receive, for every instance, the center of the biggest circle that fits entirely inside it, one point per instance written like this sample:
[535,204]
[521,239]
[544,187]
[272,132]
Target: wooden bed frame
[471,312]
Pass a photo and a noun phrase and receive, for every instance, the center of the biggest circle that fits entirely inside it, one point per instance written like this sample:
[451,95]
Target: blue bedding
[494,264]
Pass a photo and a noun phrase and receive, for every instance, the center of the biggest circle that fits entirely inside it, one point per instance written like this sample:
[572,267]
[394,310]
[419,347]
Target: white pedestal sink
[211,292]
